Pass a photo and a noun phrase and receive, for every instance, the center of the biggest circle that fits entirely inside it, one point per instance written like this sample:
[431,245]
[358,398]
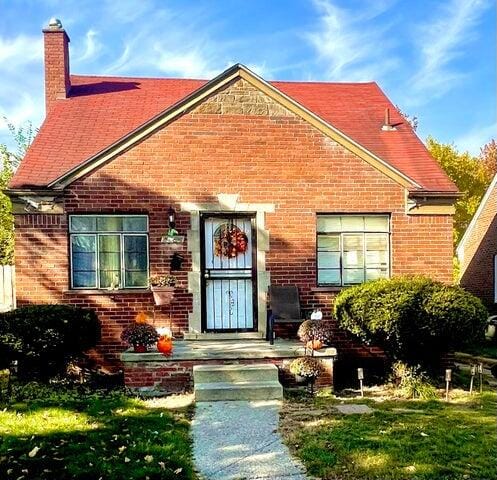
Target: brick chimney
[57,80]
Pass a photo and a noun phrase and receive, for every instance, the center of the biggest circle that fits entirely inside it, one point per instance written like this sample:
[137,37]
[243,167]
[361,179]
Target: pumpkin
[141,317]
[314,344]
[165,345]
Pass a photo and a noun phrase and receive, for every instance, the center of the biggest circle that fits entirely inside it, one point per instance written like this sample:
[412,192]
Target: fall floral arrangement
[140,334]
[162,280]
[307,367]
[229,241]
[315,333]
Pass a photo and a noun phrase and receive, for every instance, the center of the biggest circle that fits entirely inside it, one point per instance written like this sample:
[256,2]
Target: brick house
[326,182]
[477,250]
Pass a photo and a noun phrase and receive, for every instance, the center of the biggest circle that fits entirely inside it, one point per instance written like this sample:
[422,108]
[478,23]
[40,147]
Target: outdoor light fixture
[480,374]
[171,217]
[448,379]
[473,373]
[360,376]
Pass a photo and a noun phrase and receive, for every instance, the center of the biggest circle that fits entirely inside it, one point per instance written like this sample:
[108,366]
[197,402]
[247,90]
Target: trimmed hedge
[44,338]
[414,319]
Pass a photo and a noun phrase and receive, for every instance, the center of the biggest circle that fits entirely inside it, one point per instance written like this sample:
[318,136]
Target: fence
[7,287]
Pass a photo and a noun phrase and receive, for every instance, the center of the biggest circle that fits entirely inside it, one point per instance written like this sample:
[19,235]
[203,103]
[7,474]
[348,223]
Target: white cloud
[350,47]
[476,138]
[18,51]
[92,47]
[441,41]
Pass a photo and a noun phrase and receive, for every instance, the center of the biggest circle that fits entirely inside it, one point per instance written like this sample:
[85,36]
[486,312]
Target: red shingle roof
[102,110]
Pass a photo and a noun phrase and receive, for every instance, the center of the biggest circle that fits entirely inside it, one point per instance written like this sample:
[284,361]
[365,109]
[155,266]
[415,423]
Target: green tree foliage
[9,161]
[414,320]
[471,175]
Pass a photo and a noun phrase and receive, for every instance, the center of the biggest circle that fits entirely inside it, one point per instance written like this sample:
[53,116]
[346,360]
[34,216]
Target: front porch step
[265,372]
[210,392]
[236,382]
[223,336]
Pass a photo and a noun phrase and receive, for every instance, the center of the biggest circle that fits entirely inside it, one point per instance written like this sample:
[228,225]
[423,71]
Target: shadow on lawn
[428,440]
[113,438]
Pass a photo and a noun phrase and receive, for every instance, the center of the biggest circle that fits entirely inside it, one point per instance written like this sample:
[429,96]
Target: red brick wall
[477,253]
[265,159]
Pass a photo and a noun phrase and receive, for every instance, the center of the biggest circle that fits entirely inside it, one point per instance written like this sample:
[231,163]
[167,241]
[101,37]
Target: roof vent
[387,124]
[55,24]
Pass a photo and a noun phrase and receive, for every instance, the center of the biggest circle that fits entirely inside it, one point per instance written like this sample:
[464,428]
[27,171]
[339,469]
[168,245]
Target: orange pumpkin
[141,317]
[314,344]
[165,345]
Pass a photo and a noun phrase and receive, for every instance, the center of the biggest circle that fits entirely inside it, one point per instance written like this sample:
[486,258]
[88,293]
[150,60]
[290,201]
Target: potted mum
[140,336]
[162,287]
[306,370]
[315,333]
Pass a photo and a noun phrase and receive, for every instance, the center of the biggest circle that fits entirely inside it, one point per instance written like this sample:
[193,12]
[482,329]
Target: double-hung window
[352,249]
[109,251]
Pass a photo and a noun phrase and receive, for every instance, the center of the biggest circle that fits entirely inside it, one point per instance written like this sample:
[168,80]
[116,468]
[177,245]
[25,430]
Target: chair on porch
[284,307]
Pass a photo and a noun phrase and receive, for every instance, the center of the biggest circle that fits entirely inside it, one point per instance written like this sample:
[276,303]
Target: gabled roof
[102,112]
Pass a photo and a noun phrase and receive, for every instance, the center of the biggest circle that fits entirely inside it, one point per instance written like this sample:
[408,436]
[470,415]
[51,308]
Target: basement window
[108,251]
[352,249]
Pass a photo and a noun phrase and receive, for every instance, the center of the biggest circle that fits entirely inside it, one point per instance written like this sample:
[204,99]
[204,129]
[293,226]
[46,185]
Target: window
[109,251]
[352,249]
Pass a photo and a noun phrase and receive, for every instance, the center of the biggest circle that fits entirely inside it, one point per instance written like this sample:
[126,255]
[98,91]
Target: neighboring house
[477,251]
[328,182]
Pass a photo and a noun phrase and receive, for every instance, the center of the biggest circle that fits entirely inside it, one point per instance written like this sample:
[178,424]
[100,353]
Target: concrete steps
[236,382]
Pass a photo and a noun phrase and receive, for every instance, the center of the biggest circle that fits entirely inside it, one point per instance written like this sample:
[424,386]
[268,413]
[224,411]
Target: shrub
[413,319]
[412,382]
[44,338]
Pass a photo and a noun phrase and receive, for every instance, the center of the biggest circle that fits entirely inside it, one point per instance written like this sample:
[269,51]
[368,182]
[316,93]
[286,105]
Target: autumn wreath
[229,241]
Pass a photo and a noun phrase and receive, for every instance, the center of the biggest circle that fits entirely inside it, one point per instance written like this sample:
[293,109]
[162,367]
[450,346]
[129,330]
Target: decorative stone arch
[227,203]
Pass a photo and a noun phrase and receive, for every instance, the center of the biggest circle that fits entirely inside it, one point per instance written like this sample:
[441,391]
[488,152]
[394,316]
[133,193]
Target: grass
[77,434]
[423,440]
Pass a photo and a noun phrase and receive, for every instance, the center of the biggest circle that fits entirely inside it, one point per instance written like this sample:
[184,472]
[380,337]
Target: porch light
[171,216]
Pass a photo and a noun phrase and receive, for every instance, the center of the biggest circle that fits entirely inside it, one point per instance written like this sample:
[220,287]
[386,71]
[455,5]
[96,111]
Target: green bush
[412,382]
[414,319]
[44,338]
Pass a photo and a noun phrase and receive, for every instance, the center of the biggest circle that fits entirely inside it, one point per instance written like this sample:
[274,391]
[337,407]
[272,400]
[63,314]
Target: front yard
[79,434]
[401,439]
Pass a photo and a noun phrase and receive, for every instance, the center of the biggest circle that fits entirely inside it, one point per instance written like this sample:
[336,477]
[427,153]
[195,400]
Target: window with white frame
[352,249]
[109,251]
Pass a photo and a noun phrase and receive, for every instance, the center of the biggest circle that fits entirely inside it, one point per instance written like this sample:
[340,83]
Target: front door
[228,273]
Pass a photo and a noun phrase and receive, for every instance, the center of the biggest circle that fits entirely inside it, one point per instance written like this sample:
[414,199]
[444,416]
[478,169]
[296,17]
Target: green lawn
[82,435]
[427,440]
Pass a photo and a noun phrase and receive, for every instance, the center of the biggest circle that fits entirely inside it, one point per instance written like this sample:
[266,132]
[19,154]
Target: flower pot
[301,380]
[163,295]
[165,346]
[139,348]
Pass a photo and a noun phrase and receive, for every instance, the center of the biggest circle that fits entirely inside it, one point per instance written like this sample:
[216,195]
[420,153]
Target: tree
[9,161]
[471,175]
[488,155]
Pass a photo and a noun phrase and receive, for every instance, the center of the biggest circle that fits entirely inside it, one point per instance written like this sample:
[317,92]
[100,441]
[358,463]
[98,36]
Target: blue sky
[435,59]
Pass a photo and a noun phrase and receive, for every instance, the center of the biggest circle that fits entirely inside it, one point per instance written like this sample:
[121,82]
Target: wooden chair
[284,307]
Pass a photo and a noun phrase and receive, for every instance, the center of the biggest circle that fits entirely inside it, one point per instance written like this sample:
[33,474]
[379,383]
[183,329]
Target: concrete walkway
[240,440]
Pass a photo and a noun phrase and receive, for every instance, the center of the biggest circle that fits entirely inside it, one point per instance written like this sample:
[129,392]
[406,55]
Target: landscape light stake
[480,373]
[473,373]
[360,376]
[448,378]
